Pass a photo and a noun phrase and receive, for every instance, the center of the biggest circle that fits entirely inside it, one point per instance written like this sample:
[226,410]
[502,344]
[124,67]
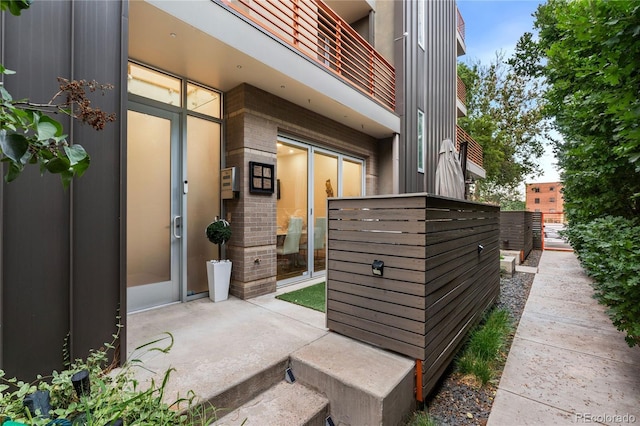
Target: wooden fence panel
[516,232]
[441,271]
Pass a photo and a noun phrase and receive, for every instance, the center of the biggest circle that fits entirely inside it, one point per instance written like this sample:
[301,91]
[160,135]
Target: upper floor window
[535,189]
[536,200]
[552,200]
[421,19]
[551,188]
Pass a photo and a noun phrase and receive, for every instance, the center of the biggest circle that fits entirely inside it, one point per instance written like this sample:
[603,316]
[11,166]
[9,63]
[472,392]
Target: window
[420,141]
[421,23]
[551,188]
[536,200]
[538,210]
[535,189]
[552,200]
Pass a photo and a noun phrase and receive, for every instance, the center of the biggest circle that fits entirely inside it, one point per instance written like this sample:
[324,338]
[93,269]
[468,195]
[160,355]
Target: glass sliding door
[153,208]
[292,212]
[325,185]
[307,176]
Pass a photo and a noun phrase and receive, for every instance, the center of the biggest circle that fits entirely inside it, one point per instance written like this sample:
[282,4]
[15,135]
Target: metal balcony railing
[314,29]
[461,91]
[460,24]
[474,150]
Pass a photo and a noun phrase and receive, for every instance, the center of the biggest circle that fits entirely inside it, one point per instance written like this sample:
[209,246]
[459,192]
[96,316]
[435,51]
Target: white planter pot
[219,274]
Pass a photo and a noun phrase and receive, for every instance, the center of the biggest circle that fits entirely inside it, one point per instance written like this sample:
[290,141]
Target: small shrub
[484,346]
[114,394]
[609,250]
[422,419]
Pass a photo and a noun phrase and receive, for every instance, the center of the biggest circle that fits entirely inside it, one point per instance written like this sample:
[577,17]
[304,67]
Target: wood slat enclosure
[536,227]
[441,272]
[516,232]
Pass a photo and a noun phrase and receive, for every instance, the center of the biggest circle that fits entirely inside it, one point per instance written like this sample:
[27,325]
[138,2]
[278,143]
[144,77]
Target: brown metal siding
[60,256]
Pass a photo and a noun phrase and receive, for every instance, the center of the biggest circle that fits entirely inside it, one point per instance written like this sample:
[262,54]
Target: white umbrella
[449,177]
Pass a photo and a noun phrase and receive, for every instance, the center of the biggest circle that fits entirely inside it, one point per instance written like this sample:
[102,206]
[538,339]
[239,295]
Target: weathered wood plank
[437,214]
[408,252]
[386,226]
[334,279]
[448,225]
[417,327]
[409,214]
[377,340]
[413,339]
[391,239]
[439,237]
[406,300]
[417,277]
[389,259]
[376,305]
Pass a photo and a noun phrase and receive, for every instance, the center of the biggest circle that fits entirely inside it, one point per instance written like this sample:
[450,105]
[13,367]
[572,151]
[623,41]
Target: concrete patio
[234,354]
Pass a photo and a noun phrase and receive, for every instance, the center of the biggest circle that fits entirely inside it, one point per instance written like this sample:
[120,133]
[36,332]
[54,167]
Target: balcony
[313,29]
[461,46]
[474,153]
[461,96]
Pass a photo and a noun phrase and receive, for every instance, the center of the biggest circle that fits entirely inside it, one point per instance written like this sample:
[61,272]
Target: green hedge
[609,249]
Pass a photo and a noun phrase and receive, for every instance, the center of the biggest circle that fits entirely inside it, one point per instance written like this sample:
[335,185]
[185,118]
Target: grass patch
[310,297]
[482,352]
[421,418]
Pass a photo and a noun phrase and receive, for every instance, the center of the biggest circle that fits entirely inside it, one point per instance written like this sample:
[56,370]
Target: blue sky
[496,25]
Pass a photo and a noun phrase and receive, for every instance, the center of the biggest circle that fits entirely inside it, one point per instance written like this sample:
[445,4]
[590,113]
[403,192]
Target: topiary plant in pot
[219,271]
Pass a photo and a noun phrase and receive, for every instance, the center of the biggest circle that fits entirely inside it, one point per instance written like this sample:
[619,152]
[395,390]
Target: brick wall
[253,120]
[544,197]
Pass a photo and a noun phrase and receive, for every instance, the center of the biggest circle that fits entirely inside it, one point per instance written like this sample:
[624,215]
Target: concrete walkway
[567,363]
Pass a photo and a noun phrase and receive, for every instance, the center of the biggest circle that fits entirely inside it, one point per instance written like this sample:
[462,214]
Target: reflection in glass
[325,185]
[204,101]
[351,178]
[148,199]
[203,201]
[155,85]
[292,241]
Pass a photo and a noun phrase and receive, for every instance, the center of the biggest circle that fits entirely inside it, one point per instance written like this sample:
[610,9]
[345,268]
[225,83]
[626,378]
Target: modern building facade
[544,197]
[299,100]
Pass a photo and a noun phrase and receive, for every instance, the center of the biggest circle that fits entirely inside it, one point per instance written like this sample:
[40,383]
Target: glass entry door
[154,223]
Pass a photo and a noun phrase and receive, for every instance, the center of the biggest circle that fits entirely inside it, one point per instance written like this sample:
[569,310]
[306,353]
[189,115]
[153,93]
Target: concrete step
[365,385]
[240,392]
[290,404]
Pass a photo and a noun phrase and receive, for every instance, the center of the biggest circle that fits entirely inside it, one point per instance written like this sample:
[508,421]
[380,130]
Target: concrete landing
[567,364]
[233,355]
[365,385]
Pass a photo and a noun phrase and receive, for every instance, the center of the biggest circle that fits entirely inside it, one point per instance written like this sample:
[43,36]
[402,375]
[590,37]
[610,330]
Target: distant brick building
[544,197]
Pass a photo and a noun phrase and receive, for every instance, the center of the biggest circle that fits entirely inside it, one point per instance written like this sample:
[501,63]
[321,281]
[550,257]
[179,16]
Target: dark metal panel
[35,217]
[97,54]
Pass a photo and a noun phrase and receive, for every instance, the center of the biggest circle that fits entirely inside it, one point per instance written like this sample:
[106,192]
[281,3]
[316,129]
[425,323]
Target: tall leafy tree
[589,52]
[504,115]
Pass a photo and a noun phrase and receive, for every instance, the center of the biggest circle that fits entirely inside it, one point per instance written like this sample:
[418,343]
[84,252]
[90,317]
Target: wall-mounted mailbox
[228,183]
[377,268]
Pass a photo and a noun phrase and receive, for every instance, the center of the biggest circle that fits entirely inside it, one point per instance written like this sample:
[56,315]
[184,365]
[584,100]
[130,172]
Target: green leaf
[57,165]
[75,153]
[3,70]
[13,172]
[13,145]
[48,128]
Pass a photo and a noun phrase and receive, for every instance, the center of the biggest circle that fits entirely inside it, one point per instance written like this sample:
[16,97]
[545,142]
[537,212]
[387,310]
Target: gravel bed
[461,400]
